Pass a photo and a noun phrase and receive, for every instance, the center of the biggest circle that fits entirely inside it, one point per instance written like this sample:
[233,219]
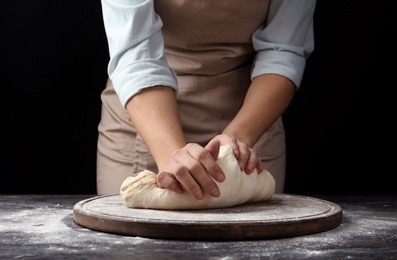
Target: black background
[340,126]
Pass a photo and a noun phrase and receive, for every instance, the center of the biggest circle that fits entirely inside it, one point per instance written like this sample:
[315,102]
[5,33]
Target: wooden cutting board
[283,215]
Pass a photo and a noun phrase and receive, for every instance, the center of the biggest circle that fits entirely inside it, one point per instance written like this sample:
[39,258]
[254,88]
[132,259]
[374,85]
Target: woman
[188,76]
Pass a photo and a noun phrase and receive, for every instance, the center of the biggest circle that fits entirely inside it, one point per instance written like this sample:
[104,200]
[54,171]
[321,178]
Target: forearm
[155,115]
[267,98]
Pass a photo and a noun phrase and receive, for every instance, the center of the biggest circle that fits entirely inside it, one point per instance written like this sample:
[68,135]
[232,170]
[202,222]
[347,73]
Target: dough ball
[141,191]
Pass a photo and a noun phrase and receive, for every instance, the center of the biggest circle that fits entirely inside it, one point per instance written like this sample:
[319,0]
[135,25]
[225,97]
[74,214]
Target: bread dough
[141,191]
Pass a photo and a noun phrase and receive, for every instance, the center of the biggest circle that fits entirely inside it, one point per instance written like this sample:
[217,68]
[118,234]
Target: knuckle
[190,146]
[203,154]
[244,146]
[176,153]
[161,177]
[194,167]
[180,172]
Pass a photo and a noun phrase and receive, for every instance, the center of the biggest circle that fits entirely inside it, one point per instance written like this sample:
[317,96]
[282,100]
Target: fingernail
[199,195]
[215,192]
[220,177]
[248,171]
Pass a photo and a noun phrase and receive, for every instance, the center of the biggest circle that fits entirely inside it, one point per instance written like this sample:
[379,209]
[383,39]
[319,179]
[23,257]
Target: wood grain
[283,215]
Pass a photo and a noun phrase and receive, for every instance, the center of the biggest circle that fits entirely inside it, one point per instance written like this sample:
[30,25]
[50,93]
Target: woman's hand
[247,157]
[191,168]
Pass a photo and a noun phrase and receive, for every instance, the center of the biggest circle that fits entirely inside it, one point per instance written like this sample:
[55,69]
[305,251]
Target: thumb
[213,147]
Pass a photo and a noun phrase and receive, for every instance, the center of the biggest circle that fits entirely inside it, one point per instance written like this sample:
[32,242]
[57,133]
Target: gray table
[42,227]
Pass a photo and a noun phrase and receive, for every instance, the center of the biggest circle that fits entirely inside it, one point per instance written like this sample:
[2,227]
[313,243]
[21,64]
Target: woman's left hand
[246,156]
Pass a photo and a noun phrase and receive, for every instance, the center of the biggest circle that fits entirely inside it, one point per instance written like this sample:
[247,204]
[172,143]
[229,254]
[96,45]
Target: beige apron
[208,44]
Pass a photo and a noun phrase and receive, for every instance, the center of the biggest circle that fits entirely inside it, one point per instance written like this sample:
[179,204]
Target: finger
[235,148]
[210,165]
[259,167]
[213,148]
[168,181]
[206,183]
[244,156]
[187,171]
[231,141]
[185,178]
[252,162]
[208,161]
[202,168]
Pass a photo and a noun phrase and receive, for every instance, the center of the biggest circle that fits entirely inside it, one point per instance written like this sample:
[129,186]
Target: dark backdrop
[53,69]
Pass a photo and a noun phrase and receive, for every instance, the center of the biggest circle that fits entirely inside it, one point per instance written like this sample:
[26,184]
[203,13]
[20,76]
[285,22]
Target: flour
[52,226]
[36,227]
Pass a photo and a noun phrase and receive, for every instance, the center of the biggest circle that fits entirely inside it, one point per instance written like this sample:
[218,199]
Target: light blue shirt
[136,45]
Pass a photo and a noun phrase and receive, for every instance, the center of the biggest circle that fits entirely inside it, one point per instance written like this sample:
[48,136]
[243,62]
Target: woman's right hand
[190,170]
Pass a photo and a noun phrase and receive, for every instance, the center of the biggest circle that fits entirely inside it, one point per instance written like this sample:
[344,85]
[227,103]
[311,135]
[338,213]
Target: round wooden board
[283,215]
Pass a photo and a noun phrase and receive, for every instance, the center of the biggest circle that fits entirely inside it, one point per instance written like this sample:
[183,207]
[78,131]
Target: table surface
[42,227]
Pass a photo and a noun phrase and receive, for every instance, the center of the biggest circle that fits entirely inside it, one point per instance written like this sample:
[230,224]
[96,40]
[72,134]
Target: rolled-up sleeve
[286,40]
[136,47]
